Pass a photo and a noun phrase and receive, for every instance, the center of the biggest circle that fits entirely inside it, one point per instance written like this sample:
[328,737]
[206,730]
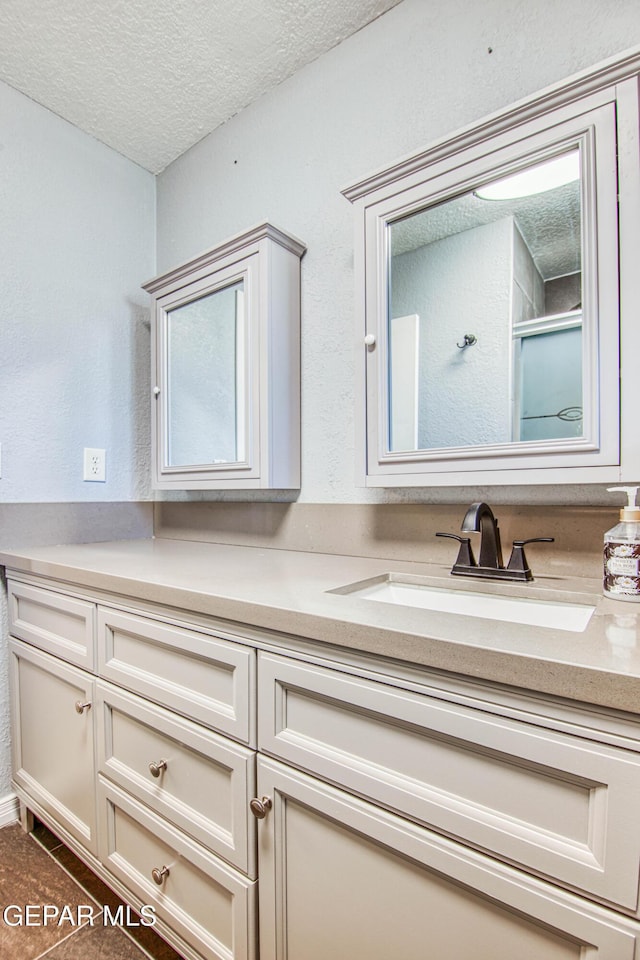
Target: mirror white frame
[597,111]
[266,261]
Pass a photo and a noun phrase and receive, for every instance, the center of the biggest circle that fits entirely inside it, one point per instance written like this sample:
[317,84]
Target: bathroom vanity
[214,727]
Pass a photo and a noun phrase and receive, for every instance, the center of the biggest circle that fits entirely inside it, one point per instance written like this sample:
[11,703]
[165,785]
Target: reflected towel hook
[469,340]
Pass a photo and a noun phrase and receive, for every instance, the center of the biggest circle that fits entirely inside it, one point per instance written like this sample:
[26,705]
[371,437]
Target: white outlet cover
[94,465]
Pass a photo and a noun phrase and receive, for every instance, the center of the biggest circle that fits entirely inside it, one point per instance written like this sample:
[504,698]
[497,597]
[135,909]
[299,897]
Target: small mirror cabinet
[497,296]
[226,366]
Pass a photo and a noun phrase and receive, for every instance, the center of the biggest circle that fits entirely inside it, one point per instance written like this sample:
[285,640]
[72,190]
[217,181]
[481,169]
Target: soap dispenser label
[622,568]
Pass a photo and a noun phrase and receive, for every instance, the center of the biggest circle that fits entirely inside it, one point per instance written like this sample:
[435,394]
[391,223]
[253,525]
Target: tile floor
[37,869]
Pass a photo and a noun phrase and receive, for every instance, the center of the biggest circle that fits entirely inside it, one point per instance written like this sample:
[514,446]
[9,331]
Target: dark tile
[44,836]
[31,875]
[28,876]
[96,943]
[154,945]
[86,878]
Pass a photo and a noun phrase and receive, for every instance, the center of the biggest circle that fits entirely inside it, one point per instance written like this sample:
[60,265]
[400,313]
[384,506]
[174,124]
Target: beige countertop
[289,592]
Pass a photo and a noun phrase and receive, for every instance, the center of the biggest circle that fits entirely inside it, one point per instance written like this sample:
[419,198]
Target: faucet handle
[465,553]
[518,561]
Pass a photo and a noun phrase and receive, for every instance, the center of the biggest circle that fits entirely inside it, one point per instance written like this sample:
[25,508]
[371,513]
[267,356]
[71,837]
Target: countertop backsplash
[392,531]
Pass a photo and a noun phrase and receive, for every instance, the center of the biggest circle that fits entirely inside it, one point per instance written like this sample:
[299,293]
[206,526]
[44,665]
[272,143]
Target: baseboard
[9,810]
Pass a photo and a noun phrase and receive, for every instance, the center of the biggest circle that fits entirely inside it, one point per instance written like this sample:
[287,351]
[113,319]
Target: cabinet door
[341,878]
[225,344]
[53,739]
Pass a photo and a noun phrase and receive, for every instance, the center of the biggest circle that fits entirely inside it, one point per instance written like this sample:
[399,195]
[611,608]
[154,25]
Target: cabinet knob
[260,808]
[81,707]
[155,769]
[370,340]
[159,874]
[156,391]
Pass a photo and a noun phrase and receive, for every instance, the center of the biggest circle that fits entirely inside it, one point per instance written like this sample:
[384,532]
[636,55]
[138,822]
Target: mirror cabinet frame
[267,261]
[599,110]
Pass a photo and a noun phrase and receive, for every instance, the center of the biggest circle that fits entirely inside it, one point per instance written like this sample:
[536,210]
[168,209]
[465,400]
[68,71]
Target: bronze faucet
[479,518]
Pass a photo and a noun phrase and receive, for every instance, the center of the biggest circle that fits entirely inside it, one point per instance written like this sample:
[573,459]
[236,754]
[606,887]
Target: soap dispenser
[622,551]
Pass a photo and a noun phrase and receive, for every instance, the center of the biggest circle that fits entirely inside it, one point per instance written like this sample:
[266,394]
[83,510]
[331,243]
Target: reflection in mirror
[205,376]
[485,314]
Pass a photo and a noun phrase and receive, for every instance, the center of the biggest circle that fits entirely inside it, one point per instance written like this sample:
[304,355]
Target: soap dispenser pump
[622,551]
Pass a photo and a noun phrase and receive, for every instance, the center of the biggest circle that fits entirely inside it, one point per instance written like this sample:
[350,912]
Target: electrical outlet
[95,465]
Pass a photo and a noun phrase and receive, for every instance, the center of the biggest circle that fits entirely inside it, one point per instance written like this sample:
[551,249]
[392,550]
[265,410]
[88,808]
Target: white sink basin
[557,614]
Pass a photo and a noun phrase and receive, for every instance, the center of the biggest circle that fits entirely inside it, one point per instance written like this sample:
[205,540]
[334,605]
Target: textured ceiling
[549,223]
[152,77]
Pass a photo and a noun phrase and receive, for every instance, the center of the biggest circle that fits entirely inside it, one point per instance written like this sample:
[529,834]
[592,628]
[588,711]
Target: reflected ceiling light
[538,179]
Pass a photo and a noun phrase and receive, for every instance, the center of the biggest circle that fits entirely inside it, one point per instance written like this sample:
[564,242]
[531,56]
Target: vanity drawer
[203,782]
[561,806]
[205,901]
[206,679]
[61,625]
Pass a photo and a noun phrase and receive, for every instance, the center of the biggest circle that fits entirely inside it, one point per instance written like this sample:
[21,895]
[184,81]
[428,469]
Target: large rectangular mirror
[206,374]
[493,278]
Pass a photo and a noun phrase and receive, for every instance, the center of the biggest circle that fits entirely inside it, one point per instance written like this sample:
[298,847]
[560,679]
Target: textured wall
[419,72]
[77,239]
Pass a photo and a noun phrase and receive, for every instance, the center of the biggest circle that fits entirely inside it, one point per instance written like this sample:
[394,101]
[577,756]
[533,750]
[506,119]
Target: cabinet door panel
[340,878]
[53,744]
[559,805]
[204,781]
[61,625]
[203,900]
[207,679]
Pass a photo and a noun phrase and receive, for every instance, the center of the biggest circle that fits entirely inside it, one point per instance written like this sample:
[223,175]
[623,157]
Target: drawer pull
[159,874]
[260,808]
[155,769]
[81,707]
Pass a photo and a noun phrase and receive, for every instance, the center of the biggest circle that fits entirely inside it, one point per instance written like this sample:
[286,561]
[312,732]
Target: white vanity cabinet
[143,762]
[343,878]
[414,815]
[369,808]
